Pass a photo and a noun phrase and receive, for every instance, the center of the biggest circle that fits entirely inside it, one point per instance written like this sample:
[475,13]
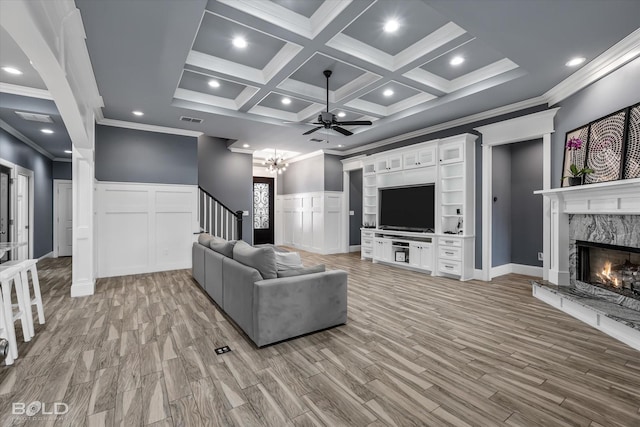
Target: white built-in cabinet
[448,163]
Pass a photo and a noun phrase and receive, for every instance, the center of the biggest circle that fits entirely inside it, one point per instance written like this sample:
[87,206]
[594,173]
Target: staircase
[217,219]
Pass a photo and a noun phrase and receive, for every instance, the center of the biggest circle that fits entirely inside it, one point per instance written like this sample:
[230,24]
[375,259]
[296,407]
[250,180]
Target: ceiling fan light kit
[328,120]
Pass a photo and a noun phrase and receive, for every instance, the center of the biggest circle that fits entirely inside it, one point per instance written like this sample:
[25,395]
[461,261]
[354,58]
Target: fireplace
[615,268]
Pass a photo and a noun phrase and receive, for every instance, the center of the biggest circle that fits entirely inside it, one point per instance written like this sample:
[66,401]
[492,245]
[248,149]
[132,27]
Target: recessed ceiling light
[239,42]
[138,113]
[391,26]
[575,62]
[47,131]
[457,60]
[286,101]
[68,151]
[214,83]
[246,145]
[12,70]
[340,146]
[387,92]
[342,114]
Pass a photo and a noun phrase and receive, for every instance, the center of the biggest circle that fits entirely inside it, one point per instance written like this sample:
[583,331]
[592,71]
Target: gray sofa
[269,309]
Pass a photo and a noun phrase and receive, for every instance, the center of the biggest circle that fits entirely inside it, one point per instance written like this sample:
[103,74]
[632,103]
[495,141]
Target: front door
[263,218]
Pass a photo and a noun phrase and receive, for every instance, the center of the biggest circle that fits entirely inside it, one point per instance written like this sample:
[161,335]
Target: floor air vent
[190,119]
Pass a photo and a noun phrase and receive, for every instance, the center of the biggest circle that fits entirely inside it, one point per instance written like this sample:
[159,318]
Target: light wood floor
[416,351]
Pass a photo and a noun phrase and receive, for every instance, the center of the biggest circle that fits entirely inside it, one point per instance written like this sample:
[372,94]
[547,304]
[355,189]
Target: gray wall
[526,207]
[228,177]
[15,151]
[618,90]
[355,205]
[62,170]
[304,176]
[128,155]
[501,221]
[332,173]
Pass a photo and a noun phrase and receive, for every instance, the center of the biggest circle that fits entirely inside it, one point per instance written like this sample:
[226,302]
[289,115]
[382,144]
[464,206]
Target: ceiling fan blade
[355,123]
[312,130]
[341,130]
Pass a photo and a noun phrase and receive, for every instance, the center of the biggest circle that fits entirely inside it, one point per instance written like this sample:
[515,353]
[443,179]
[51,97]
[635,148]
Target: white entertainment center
[449,165]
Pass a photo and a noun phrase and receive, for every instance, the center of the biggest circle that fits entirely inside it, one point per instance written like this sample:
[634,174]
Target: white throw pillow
[288,260]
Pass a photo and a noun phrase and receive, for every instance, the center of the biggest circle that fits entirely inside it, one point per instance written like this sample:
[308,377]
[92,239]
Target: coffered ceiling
[178,59]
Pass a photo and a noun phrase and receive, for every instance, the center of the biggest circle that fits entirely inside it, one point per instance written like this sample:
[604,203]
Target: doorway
[5,206]
[23,209]
[63,218]
[263,210]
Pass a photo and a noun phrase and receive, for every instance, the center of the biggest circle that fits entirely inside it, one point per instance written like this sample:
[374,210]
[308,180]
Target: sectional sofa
[268,304]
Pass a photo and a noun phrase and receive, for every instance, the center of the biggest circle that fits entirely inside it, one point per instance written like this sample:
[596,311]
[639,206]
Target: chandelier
[275,163]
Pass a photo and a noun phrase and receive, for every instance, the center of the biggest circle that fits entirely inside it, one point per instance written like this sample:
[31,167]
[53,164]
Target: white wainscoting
[310,221]
[144,228]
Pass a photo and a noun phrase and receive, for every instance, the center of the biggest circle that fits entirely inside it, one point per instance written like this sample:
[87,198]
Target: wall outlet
[245,213]
[540,256]
[352,213]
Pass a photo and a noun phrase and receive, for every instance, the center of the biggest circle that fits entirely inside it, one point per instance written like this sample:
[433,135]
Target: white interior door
[22,216]
[64,219]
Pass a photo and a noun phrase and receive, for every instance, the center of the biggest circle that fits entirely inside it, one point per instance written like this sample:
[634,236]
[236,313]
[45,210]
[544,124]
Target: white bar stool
[5,334]
[10,276]
[29,266]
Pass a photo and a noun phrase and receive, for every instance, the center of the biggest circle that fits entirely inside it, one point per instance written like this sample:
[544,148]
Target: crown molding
[532,102]
[30,92]
[614,57]
[62,159]
[241,150]
[148,128]
[20,136]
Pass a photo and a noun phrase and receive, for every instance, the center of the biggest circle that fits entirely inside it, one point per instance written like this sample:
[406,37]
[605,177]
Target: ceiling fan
[328,120]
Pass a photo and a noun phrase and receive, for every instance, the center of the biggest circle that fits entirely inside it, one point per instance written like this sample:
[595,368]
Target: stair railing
[217,219]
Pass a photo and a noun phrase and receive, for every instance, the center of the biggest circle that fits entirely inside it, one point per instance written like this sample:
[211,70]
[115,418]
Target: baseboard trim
[83,289]
[354,248]
[477,274]
[527,270]
[49,255]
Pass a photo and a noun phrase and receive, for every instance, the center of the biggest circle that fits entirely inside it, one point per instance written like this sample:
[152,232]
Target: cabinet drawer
[366,252]
[450,252]
[449,241]
[449,267]
[366,242]
[367,234]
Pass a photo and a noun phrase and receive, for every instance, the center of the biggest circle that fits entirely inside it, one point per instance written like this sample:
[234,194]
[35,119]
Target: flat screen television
[407,208]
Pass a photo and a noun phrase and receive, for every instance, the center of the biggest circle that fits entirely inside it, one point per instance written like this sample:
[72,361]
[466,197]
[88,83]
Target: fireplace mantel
[614,197]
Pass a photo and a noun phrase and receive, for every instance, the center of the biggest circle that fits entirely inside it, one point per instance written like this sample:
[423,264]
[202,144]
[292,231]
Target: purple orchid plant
[572,146]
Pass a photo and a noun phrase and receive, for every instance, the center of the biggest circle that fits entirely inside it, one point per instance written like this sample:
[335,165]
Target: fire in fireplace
[616,268]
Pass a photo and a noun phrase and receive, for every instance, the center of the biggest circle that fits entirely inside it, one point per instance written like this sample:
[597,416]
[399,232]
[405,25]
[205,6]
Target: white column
[487,201]
[559,242]
[83,272]
[546,205]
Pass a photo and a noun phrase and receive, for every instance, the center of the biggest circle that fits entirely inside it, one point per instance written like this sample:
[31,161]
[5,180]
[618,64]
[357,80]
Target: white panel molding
[361,50]
[306,89]
[484,73]
[224,67]
[286,115]
[22,137]
[614,57]
[429,79]
[25,91]
[312,221]
[205,98]
[148,128]
[357,84]
[158,221]
[326,13]
[282,58]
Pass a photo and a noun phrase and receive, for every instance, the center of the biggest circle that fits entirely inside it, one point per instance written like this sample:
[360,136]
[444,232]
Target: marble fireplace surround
[607,212]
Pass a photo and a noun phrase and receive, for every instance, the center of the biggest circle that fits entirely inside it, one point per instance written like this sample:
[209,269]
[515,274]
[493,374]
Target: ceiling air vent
[190,119]
[33,117]
[317,140]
